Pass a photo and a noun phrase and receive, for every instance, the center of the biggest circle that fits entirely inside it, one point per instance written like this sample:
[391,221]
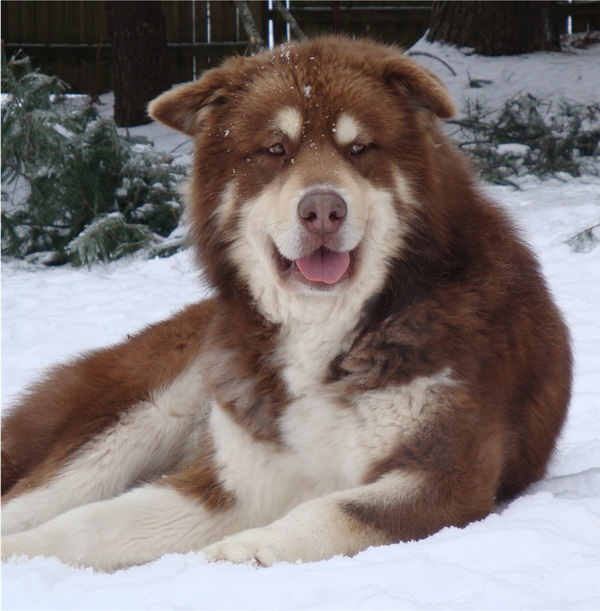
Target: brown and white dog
[381,357]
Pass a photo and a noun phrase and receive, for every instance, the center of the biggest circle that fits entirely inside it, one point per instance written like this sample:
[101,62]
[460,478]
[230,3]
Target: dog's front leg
[315,530]
[397,507]
[134,528]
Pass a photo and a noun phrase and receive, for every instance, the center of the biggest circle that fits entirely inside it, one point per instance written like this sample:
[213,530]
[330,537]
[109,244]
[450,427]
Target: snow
[572,75]
[513,148]
[541,551]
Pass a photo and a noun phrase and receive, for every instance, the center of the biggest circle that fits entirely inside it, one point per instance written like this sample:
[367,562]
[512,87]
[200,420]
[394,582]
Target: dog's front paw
[258,547]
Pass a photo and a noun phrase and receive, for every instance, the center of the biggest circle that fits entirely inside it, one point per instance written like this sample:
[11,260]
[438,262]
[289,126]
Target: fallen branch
[289,18]
[257,44]
[434,57]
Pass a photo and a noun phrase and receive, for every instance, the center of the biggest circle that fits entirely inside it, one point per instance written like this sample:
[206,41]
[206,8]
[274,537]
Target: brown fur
[463,293]
[76,402]
[200,481]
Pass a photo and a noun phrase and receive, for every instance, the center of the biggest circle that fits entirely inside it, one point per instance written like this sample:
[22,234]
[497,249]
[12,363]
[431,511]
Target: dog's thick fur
[381,357]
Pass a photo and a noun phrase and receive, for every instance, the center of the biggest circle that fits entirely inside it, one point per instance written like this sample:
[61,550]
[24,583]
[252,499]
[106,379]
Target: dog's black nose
[322,212]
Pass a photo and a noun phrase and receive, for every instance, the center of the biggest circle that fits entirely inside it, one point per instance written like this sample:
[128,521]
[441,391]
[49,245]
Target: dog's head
[308,167]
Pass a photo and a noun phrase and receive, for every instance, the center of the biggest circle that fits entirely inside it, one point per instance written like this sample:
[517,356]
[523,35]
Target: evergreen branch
[70,168]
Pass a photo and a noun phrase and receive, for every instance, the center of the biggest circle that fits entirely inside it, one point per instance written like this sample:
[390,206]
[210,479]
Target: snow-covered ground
[542,551]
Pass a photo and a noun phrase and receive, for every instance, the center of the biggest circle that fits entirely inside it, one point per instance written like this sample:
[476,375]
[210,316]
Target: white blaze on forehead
[289,121]
[347,129]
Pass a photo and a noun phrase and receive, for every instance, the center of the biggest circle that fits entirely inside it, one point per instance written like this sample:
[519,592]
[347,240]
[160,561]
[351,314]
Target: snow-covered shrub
[527,135]
[73,188]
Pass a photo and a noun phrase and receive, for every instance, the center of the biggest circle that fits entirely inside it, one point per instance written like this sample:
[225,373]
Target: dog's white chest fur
[327,442]
[310,344]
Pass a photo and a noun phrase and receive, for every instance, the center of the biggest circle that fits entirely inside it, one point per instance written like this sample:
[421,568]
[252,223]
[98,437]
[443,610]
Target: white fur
[326,446]
[315,530]
[133,528]
[347,129]
[146,523]
[289,122]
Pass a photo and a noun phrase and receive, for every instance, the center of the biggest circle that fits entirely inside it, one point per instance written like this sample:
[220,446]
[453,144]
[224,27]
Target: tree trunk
[496,28]
[138,39]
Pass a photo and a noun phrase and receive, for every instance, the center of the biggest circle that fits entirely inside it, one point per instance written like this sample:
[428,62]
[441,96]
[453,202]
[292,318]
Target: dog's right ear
[420,86]
[182,108]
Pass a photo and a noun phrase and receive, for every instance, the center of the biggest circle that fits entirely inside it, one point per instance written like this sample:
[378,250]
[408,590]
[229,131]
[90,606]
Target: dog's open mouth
[321,268]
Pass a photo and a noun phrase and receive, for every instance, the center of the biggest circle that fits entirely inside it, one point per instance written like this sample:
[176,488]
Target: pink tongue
[324,265]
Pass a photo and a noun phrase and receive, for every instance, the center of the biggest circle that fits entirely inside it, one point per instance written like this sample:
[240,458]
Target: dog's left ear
[182,108]
[419,84]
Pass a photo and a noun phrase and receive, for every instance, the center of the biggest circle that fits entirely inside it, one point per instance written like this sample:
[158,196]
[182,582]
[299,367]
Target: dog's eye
[357,149]
[277,149]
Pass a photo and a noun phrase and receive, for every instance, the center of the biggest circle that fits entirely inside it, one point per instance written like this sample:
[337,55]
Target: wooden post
[140,60]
